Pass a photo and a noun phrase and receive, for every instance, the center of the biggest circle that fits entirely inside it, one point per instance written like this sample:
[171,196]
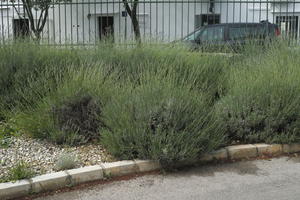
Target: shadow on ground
[241,168]
[295,158]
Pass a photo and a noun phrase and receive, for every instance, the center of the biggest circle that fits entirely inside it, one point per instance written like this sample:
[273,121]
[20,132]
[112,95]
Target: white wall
[78,23]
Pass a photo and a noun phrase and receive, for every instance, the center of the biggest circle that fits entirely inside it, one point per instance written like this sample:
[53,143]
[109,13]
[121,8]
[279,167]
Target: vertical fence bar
[267,11]
[89,18]
[260,11]
[233,11]
[169,24]
[2,22]
[247,13]
[125,34]
[71,24]
[195,9]
[144,12]
[240,11]
[156,20]
[163,20]
[47,41]
[175,21]
[273,9]
[53,25]
[59,23]
[8,24]
[279,17]
[77,21]
[120,17]
[253,12]
[65,21]
[227,11]
[295,24]
[107,15]
[182,19]
[96,19]
[12,22]
[100,22]
[220,16]
[150,20]
[83,21]
[188,17]
[113,32]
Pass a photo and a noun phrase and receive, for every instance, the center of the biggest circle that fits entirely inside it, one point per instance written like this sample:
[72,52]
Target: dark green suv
[233,35]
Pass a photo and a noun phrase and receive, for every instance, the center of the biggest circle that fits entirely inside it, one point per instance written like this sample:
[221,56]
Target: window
[246,32]
[212,34]
[193,36]
[206,19]
[288,25]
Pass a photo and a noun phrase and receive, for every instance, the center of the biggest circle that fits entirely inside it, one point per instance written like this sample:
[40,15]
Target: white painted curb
[73,177]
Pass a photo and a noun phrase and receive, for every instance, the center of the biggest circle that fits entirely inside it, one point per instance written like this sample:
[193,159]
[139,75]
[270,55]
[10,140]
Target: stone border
[78,176]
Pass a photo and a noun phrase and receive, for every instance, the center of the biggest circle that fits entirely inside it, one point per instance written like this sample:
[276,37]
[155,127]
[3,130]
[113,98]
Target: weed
[21,171]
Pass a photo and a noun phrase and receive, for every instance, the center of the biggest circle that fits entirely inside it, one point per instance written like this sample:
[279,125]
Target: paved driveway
[276,179]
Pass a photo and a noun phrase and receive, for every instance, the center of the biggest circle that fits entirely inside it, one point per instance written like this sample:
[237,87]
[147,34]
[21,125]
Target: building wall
[78,23]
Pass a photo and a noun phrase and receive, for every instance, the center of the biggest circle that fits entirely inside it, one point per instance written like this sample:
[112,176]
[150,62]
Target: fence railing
[85,22]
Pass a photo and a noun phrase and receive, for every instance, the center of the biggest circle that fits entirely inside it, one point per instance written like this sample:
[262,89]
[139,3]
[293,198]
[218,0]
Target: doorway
[21,28]
[106,27]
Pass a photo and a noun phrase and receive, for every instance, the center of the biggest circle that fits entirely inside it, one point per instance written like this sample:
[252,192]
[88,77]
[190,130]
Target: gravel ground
[42,156]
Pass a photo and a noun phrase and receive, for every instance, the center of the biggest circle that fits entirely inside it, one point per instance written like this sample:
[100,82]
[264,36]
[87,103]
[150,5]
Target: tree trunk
[134,20]
[37,35]
[136,28]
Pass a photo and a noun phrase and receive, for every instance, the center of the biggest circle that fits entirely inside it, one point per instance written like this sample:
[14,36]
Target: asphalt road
[276,179]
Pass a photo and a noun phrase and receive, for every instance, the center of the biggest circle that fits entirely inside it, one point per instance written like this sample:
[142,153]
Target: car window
[246,32]
[212,34]
[193,36]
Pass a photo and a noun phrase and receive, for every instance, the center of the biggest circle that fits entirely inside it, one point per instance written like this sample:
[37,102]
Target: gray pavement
[276,179]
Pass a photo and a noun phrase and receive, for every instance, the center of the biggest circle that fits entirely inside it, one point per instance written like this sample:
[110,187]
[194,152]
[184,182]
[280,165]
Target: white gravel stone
[42,155]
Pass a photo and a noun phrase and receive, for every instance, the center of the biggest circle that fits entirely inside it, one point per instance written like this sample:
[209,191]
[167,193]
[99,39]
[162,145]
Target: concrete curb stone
[62,179]
[221,154]
[267,149]
[119,168]
[242,151]
[291,148]
[50,182]
[14,190]
[147,165]
[85,174]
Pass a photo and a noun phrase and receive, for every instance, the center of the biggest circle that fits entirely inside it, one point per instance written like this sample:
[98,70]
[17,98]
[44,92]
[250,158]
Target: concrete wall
[78,23]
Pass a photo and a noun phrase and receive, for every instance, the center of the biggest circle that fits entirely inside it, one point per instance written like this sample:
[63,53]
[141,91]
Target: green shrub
[159,120]
[72,113]
[262,104]
[32,70]
[7,131]
[66,161]
[21,171]
[202,72]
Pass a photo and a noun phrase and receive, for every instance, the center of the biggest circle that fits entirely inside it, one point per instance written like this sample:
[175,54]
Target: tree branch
[44,20]
[18,12]
[127,7]
[40,18]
